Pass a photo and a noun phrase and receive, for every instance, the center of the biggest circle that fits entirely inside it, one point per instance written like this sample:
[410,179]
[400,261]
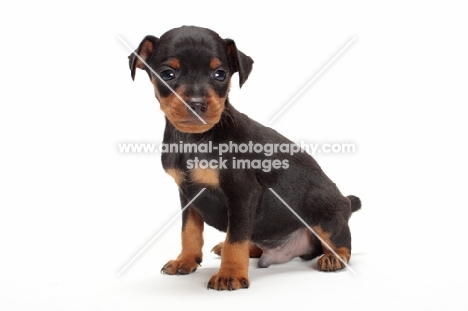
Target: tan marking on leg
[234,271]
[192,234]
[254,250]
[192,242]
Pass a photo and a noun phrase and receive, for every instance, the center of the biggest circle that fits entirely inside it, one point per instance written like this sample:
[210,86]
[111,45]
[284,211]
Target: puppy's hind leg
[335,240]
[254,251]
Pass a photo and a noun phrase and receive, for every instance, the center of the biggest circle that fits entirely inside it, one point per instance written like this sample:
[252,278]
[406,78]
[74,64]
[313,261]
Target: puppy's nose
[198,105]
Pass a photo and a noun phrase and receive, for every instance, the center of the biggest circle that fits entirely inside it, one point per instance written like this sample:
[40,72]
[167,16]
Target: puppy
[237,190]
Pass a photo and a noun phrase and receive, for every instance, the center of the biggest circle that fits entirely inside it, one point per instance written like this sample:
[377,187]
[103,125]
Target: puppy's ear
[238,61]
[144,51]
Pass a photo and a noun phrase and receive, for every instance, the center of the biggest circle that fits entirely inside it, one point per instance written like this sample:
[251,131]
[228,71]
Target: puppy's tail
[355,203]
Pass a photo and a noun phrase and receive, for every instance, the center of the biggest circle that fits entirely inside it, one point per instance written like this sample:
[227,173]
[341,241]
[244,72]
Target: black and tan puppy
[197,64]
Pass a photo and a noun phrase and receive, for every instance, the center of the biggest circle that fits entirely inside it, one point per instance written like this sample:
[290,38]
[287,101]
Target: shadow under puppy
[197,64]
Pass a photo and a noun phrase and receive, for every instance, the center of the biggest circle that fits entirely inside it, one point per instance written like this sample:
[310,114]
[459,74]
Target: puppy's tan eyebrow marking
[214,63]
[174,63]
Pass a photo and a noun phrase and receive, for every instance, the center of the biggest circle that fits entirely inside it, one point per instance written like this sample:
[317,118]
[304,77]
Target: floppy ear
[238,61]
[144,51]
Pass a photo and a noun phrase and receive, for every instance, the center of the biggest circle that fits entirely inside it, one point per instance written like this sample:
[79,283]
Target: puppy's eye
[167,74]
[220,75]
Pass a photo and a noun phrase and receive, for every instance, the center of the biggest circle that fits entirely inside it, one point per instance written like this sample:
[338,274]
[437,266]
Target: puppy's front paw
[181,266]
[329,262]
[228,281]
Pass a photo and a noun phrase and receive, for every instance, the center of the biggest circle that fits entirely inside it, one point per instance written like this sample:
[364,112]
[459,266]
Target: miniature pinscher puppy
[190,69]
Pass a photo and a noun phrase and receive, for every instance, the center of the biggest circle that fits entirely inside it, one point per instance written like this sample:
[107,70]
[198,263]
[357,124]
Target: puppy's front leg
[233,273]
[192,242]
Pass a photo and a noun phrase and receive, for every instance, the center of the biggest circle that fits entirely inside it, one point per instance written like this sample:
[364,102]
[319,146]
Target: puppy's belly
[296,244]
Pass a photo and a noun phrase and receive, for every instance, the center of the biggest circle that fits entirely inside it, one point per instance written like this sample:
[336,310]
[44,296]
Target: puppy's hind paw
[218,248]
[181,266]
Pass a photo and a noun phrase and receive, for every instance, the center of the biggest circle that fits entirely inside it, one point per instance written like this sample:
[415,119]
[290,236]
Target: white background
[74,211]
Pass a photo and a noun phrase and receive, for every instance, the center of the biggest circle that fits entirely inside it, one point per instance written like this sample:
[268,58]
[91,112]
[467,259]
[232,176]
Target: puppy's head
[190,68]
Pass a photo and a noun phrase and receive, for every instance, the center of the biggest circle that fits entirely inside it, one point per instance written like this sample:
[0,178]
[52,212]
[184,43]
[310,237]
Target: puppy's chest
[192,170]
[212,203]
[202,177]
